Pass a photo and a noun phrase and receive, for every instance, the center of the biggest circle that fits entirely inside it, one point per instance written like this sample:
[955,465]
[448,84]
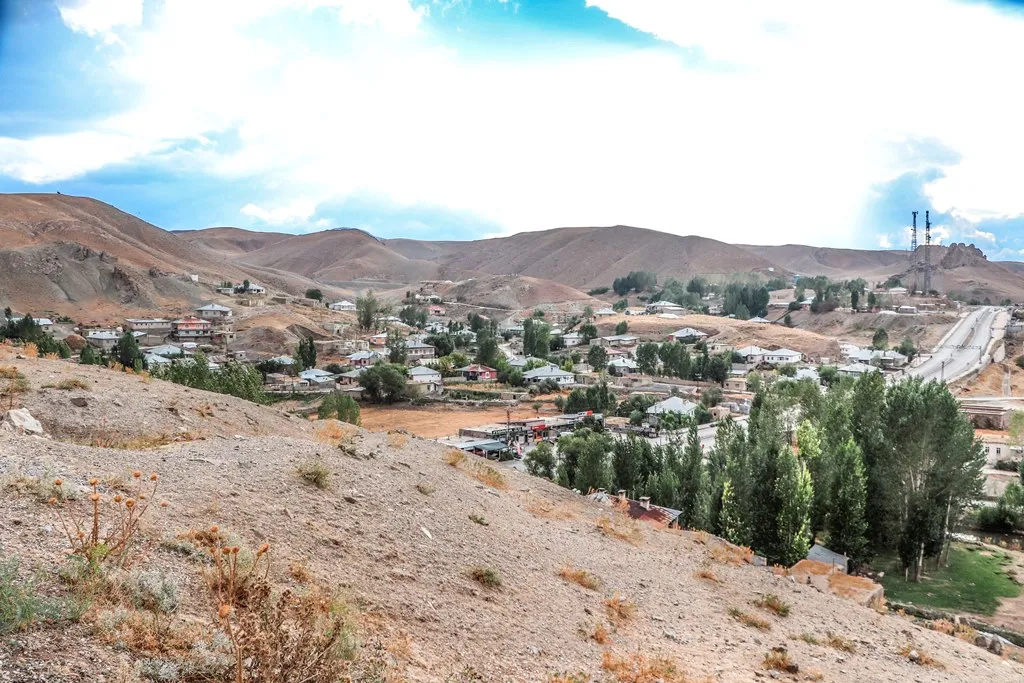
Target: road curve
[962,349]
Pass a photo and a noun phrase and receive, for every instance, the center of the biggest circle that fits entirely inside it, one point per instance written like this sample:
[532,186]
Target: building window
[999,451]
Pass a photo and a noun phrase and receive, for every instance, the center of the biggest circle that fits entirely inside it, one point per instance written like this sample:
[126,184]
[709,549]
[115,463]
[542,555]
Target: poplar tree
[694,486]
[847,526]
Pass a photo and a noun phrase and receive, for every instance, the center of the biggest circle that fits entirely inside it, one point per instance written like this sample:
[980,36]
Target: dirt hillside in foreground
[403,555]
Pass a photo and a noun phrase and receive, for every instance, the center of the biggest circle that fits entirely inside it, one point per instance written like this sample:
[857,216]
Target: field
[975,581]
[431,423]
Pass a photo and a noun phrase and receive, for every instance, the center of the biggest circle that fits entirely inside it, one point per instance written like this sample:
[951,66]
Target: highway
[962,349]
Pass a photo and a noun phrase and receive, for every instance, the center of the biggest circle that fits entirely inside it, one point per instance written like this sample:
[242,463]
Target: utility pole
[927,253]
[913,234]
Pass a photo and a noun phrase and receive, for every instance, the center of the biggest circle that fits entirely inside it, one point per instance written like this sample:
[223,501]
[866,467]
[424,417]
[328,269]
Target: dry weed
[454,457]
[778,660]
[636,668]
[298,570]
[580,577]
[567,678]
[425,489]
[837,642]
[486,577]
[30,350]
[136,443]
[73,383]
[333,432]
[397,439]
[707,575]
[315,473]
[620,611]
[808,638]
[920,657]
[773,603]
[601,635]
[541,508]
[751,620]
[701,537]
[487,475]
[621,529]
[726,553]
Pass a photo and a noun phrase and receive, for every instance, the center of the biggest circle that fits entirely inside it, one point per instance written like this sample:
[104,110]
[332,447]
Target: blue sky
[752,122]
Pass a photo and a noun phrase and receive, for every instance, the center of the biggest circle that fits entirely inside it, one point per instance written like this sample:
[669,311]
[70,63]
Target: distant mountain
[591,257]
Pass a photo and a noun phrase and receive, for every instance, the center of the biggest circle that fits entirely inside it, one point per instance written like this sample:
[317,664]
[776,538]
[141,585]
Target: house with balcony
[416,350]
[619,341]
[192,329]
[214,312]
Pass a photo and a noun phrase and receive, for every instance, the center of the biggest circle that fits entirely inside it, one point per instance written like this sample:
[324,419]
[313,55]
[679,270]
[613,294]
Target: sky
[794,121]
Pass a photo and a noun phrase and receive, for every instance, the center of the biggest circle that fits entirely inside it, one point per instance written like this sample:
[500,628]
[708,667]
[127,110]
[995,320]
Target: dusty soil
[402,554]
[726,330]
[925,330]
[435,422]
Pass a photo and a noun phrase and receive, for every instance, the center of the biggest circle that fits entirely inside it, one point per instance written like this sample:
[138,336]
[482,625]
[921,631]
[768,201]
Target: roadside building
[214,312]
[687,334]
[549,372]
[151,326]
[855,369]
[424,375]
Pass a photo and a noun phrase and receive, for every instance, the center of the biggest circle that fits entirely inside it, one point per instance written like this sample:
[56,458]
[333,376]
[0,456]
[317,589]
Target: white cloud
[884,242]
[780,140]
[292,214]
[100,17]
[322,223]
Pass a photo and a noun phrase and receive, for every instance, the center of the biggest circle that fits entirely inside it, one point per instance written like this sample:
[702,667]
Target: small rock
[426,533]
[914,657]
[79,402]
[20,421]
[350,499]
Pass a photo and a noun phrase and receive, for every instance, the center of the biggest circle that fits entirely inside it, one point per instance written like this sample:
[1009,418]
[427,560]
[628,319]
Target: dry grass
[808,638]
[541,508]
[961,631]
[922,658]
[580,577]
[751,620]
[707,575]
[837,642]
[30,350]
[620,529]
[479,520]
[619,609]
[315,472]
[778,660]
[141,442]
[488,476]
[73,383]
[726,553]
[567,678]
[298,570]
[773,603]
[486,577]
[701,537]
[333,432]
[454,457]
[397,439]
[600,635]
[425,489]
[637,668]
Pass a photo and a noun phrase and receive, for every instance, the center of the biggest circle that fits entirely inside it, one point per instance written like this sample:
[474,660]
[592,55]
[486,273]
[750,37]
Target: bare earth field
[432,423]
[394,533]
[858,328]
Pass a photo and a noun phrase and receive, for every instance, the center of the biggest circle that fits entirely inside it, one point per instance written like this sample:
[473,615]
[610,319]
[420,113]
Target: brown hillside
[397,535]
[231,242]
[871,265]
[591,257]
[510,292]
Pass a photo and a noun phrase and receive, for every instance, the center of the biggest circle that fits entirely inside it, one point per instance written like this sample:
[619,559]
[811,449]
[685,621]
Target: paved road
[962,349]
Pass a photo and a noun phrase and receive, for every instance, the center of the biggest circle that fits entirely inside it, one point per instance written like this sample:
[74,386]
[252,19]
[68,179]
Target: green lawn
[974,581]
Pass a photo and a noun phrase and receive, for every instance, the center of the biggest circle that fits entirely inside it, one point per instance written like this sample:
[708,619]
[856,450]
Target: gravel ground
[403,553]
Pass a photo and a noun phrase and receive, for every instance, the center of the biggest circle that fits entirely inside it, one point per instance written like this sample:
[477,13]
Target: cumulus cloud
[797,112]
[100,17]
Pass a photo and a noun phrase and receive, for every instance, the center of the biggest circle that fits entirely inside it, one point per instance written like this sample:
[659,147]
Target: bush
[339,406]
[1020,362]
[315,473]
[486,577]
[383,383]
[996,518]
[597,291]
[22,604]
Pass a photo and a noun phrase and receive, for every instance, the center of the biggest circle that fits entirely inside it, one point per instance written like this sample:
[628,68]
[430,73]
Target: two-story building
[151,326]
[619,341]
[214,312]
[192,329]
[416,350]
[364,359]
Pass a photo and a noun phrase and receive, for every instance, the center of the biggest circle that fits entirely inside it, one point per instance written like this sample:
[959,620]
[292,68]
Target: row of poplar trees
[866,469]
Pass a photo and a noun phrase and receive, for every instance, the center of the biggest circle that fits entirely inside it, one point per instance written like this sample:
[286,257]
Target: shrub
[118,517]
[622,530]
[315,473]
[74,383]
[153,591]
[707,575]
[479,520]
[750,620]
[22,604]
[920,657]
[489,476]
[454,457]
[773,603]
[339,406]
[601,635]
[425,489]
[778,660]
[840,643]
[637,668]
[580,577]
[486,577]
[620,610]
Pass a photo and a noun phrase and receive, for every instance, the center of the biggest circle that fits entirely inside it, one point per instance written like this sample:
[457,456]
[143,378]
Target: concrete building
[549,372]
[416,350]
[343,305]
[424,375]
[214,312]
[193,329]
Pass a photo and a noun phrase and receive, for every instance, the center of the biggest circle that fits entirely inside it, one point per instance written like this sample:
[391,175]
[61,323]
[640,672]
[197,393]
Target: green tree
[907,348]
[126,350]
[647,358]
[443,343]
[597,358]
[847,525]
[339,406]
[880,340]
[787,320]
[588,312]
[529,336]
[588,331]
[540,461]
[396,347]
[486,349]
[367,308]
[622,327]
[383,383]
[305,354]
[620,305]
[314,293]
[872,300]
[695,486]
[88,356]
[593,471]
[542,341]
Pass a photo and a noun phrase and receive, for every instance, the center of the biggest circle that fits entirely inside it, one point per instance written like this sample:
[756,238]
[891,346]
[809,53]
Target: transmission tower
[913,233]
[927,254]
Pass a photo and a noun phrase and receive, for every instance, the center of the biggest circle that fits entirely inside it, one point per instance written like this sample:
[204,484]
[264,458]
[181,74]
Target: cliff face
[959,255]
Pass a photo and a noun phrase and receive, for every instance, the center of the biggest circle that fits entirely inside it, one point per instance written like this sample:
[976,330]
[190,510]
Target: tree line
[866,469]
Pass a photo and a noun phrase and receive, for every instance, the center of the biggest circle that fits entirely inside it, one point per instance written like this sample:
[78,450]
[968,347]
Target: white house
[523,362]
[752,355]
[856,369]
[887,359]
[254,288]
[673,404]
[572,339]
[343,305]
[782,356]
[45,323]
[166,350]
[602,312]
[317,377]
[624,366]
[619,340]
[362,359]
[283,360]
[664,307]
[686,333]
[424,375]
[808,373]
[549,372]
[213,312]
[148,324]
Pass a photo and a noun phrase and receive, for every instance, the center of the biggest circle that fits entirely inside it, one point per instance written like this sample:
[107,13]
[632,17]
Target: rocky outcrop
[20,421]
[959,255]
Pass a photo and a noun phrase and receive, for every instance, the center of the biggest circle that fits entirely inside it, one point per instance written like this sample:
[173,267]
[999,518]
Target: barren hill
[230,242]
[510,292]
[871,265]
[590,257]
[397,536]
